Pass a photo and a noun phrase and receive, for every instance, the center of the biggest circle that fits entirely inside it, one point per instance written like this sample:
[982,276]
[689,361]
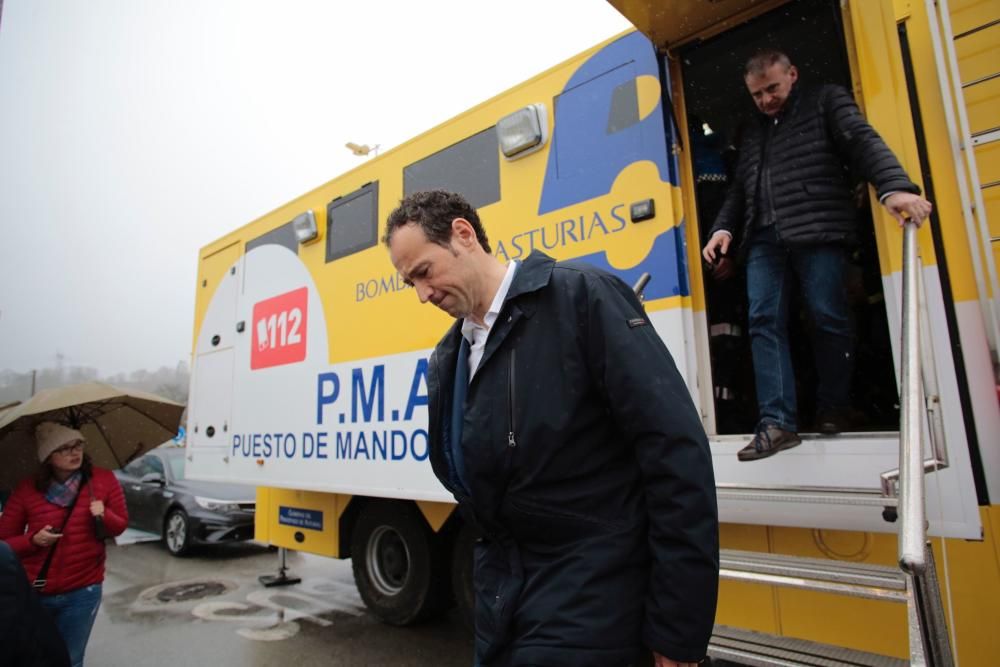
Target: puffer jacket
[589,475]
[79,556]
[817,146]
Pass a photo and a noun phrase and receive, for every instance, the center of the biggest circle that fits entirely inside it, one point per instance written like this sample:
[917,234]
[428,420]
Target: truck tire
[397,568]
[461,576]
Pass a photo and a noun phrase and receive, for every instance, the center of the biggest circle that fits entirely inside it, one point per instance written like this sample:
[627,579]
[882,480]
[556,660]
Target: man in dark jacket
[789,210]
[28,635]
[561,425]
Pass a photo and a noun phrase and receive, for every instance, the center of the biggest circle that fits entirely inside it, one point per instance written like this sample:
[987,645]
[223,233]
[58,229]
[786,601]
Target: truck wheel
[400,576]
[177,533]
[461,576]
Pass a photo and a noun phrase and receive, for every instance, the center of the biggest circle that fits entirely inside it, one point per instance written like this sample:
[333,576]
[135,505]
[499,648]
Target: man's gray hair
[762,60]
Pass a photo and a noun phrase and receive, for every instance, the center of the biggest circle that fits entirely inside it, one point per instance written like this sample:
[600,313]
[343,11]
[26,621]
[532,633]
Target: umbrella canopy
[119,425]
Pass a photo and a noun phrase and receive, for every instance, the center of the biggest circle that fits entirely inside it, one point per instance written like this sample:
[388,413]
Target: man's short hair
[433,211]
[763,59]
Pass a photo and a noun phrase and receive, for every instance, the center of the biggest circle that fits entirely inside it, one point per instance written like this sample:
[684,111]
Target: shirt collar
[491,315]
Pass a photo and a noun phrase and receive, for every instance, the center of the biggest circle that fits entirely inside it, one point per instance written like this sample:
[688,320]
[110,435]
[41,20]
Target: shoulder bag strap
[39,583]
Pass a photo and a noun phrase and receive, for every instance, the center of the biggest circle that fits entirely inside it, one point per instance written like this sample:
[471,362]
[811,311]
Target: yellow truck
[310,353]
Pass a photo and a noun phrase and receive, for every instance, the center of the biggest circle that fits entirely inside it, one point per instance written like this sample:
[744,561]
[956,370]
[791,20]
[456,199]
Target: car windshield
[177,466]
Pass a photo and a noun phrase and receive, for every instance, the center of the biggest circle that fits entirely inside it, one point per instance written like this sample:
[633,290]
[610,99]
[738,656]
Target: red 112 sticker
[279,329]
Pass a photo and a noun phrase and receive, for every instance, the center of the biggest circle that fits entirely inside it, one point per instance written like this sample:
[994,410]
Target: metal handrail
[912,530]
[932,403]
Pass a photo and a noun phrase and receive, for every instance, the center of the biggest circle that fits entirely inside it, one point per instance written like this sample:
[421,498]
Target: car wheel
[399,574]
[177,533]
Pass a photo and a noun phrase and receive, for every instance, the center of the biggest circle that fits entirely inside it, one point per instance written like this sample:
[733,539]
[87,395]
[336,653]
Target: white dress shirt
[476,334]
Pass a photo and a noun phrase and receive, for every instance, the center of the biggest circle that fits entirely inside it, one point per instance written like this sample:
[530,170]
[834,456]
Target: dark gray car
[185,512]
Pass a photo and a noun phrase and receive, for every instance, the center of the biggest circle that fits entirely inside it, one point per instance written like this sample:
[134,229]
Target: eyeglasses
[71,448]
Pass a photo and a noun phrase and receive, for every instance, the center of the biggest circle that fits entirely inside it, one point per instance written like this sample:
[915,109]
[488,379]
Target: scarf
[62,493]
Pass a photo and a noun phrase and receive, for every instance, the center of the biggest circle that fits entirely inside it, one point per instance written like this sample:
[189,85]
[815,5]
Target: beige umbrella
[119,425]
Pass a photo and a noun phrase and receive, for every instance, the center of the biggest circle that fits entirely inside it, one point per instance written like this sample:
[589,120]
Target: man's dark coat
[28,634]
[589,474]
[819,145]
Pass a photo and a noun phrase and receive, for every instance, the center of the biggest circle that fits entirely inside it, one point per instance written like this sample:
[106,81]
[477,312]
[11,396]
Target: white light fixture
[523,132]
[305,227]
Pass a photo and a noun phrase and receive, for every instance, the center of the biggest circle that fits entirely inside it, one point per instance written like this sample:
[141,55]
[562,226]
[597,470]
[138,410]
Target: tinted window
[136,467]
[352,222]
[283,236]
[624,107]
[176,464]
[155,465]
[471,168]
[144,466]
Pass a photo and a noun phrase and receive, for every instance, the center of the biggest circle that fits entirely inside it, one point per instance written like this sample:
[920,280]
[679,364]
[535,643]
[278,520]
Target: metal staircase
[914,583]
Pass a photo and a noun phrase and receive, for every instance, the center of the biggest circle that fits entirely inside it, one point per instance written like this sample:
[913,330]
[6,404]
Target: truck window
[283,236]
[471,168]
[352,222]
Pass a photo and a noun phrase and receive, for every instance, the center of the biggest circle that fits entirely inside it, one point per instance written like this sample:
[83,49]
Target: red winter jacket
[79,556]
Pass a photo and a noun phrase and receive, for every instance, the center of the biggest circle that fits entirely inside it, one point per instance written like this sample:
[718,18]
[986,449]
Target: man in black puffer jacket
[790,210]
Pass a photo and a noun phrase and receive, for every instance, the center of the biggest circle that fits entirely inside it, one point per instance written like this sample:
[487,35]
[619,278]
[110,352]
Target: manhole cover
[185,591]
[194,590]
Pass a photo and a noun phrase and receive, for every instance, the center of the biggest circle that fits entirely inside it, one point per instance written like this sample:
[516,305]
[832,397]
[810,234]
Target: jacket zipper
[770,190]
[511,442]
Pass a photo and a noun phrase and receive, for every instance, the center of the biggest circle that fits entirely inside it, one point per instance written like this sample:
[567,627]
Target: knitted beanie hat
[50,436]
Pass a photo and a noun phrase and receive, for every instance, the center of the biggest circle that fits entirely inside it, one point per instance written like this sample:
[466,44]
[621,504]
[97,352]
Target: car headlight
[213,505]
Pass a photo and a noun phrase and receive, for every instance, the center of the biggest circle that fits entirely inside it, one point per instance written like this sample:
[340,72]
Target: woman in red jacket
[36,511]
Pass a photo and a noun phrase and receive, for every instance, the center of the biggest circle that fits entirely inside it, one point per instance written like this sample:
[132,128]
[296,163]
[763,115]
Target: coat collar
[532,275]
[787,110]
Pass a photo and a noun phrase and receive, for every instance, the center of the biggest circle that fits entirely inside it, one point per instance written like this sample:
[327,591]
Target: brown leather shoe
[768,441]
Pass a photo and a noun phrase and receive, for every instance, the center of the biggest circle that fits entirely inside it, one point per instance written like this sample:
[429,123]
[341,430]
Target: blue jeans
[74,613]
[821,272]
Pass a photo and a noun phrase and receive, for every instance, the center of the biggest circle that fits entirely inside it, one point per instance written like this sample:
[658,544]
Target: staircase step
[765,650]
[878,582]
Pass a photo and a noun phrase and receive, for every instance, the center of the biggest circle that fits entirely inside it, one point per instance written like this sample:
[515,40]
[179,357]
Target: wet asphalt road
[209,609]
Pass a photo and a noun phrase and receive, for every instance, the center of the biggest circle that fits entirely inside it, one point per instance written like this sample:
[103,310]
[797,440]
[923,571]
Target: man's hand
[906,205]
[719,242]
[660,661]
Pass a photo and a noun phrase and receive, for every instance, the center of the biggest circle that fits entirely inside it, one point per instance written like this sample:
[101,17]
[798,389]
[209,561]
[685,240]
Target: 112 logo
[279,329]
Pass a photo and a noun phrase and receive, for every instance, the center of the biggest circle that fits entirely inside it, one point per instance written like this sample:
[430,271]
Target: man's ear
[793,72]
[463,233]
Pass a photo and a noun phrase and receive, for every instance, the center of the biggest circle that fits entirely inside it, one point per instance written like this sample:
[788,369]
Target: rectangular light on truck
[305,228]
[523,132]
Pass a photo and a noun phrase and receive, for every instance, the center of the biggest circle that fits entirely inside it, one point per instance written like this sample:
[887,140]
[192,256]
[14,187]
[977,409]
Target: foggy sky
[134,132]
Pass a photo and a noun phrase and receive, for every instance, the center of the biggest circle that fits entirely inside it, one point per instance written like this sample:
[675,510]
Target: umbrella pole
[110,446]
[75,421]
